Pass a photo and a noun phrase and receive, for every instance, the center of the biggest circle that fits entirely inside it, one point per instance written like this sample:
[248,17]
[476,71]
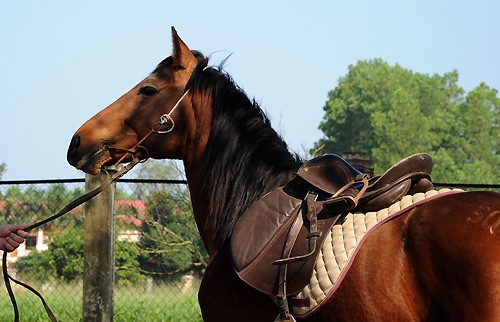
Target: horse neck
[237,165]
[236,194]
[200,206]
[194,165]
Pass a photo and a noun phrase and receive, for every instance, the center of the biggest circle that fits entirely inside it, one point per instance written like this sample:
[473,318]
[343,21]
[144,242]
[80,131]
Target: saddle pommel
[329,173]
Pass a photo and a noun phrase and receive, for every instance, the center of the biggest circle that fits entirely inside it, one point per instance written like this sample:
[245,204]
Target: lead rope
[72,205]
[165,119]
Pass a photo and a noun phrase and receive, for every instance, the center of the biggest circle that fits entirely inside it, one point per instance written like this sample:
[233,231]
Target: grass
[165,302]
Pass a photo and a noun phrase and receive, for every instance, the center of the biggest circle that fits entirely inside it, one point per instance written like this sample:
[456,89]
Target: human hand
[11,236]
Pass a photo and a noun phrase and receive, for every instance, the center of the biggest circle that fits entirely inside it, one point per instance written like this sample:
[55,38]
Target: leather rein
[164,126]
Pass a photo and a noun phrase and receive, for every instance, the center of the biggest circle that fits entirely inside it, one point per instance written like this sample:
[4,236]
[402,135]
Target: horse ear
[181,53]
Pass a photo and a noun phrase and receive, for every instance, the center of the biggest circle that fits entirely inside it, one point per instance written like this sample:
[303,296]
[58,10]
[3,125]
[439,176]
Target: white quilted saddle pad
[339,249]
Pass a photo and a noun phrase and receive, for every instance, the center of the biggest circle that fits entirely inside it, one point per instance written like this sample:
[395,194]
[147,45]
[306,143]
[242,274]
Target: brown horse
[439,262]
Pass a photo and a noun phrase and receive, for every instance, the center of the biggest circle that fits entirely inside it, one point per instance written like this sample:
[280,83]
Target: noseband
[164,126]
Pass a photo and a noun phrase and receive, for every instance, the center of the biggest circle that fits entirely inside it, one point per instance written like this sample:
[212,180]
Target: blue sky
[61,62]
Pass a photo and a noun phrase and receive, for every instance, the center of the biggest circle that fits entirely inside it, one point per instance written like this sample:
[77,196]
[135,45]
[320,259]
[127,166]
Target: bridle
[138,153]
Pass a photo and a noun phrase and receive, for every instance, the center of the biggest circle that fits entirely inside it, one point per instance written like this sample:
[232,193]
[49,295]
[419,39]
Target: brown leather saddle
[276,242]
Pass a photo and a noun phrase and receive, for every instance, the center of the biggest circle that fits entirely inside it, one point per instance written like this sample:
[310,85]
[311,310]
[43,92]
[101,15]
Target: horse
[439,262]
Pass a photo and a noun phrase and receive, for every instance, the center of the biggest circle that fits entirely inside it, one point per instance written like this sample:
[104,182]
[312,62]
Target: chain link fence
[159,257]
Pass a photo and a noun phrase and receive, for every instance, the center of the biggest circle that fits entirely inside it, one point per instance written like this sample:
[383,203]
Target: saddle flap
[259,240]
[260,236]
[260,225]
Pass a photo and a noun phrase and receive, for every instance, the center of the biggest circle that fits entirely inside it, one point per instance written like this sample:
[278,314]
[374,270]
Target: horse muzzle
[89,162]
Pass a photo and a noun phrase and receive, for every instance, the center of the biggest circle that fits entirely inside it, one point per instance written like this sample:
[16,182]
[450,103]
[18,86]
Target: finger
[10,245]
[6,230]
[12,242]
[9,248]
[15,228]
[16,237]
[23,234]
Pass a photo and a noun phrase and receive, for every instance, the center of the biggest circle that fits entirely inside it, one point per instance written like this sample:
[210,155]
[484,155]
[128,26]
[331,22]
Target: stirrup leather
[311,207]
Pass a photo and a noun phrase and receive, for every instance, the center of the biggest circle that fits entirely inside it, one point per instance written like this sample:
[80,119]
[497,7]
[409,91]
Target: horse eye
[148,91]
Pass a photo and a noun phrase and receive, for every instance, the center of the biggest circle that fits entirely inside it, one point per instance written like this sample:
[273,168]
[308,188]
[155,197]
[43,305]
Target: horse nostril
[74,144]
[72,150]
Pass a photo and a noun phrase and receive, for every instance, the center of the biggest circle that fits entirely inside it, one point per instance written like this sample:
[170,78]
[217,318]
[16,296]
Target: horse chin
[92,163]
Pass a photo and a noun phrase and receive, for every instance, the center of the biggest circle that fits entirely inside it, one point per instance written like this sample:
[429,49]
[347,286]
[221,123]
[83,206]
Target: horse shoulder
[223,296]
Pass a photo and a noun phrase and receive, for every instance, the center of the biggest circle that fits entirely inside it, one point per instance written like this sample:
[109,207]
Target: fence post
[98,268]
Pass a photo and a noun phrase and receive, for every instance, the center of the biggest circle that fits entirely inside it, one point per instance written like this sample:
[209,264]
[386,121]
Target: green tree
[389,112]
[31,205]
[56,197]
[63,259]
[37,266]
[170,238]
[127,263]
[3,167]
[159,170]
[481,133]
[11,199]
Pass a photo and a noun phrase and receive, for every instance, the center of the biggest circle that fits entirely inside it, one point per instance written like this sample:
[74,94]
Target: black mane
[245,156]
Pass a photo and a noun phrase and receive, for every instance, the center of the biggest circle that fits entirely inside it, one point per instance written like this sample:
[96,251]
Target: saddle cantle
[275,243]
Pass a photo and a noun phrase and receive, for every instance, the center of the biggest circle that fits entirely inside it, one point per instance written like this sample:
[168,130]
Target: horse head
[186,110]
[161,101]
